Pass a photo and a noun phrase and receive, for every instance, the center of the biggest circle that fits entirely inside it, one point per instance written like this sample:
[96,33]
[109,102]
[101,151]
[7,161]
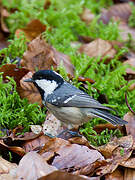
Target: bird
[67,103]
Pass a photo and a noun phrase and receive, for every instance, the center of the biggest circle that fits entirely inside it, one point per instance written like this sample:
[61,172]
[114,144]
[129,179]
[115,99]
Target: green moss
[15,111]
[99,139]
[16,49]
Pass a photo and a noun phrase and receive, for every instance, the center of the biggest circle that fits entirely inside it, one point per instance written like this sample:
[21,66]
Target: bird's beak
[29,80]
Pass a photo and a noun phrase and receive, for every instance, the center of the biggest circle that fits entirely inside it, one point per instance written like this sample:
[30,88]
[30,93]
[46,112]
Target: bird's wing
[79,100]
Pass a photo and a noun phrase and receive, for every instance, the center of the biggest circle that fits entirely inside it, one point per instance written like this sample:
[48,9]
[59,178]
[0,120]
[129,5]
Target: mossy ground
[63,17]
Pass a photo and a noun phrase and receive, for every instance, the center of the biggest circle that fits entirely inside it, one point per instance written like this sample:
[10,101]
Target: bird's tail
[107,116]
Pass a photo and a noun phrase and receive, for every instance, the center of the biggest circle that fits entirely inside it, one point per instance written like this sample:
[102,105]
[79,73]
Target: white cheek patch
[46,85]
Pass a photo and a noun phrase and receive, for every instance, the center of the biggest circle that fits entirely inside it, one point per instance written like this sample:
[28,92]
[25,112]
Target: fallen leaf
[36,143]
[120,154]
[130,163]
[52,125]
[40,55]
[6,166]
[6,177]
[130,127]
[129,174]
[130,62]
[32,166]
[67,156]
[71,156]
[59,175]
[5,148]
[36,129]
[98,48]
[32,29]
[87,16]
[81,141]
[108,148]
[29,91]
[125,30]
[118,11]
[13,71]
[116,175]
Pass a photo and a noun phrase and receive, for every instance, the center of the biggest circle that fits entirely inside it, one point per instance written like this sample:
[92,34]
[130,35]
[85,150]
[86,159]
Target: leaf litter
[56,158]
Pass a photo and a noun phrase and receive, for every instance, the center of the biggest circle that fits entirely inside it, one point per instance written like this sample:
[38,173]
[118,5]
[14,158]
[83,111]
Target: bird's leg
[72,133]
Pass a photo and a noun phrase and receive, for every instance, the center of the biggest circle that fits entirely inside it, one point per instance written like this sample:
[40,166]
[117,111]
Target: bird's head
[46,81]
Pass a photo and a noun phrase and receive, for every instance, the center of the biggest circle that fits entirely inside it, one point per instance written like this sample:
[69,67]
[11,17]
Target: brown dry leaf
[129,174]
[130,127]
[6,166]
[120,154]
[80,140]
[116,175]
[87,16]
[5,148]
[36,143]
[29,91]
[66,156]
[32,166]
[32,29]
[36,129]
[40,55]
[131,62]
[71,156]
[130,163]
[125,30]
[13,71]
[97,48]
[119,11]
[59,175]
[108,148]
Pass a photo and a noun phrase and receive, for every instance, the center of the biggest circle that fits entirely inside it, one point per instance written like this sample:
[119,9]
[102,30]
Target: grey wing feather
[82,100]
[73,97]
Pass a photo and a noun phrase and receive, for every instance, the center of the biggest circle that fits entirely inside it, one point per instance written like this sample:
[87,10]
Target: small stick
[128,104]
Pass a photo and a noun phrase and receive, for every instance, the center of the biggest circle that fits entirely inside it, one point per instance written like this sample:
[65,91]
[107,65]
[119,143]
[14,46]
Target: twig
[128,104]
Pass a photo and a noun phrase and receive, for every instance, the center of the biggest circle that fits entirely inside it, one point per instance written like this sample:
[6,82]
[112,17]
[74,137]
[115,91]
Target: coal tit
[67,103]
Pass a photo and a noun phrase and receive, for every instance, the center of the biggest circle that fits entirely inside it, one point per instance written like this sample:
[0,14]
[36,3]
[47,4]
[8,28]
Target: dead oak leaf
[130,163]
[32,166]
[32,29]
[120,154]
[6,166]
[29,91]
[116,175]
[118,11]
[125,30]
[36,143]
[59,175]
[98,48]
[12,70]
[40,55]
[66,156]
[130,62]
